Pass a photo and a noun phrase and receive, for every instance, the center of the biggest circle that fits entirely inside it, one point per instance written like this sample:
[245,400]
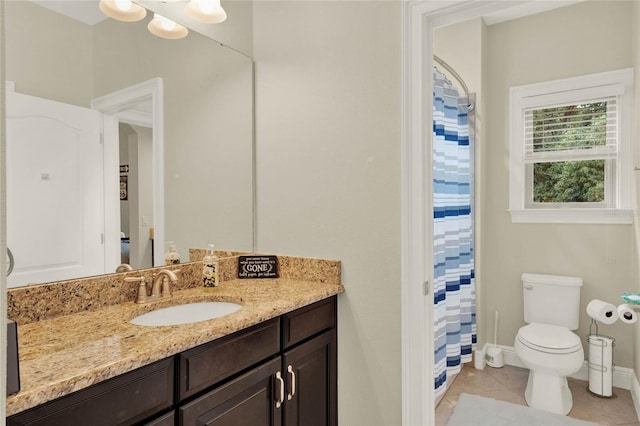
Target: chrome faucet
[162,278]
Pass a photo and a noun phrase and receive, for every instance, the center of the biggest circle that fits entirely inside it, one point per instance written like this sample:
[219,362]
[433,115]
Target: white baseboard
[622,377]
[635,394]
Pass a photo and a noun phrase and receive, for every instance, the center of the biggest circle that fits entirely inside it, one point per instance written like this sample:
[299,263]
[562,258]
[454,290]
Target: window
[570,150]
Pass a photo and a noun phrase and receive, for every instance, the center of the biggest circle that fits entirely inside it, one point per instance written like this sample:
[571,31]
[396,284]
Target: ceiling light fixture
[166,28]
[122,10]
[207,11]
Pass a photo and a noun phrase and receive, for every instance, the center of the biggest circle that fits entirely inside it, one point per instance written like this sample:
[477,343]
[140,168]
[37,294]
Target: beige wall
[208,128]
[544,47]
[328,135]
[3,220]
[61,68]
[636,175]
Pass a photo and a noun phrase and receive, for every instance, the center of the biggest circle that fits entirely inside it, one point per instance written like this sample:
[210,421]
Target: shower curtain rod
[455,74]
[446,66]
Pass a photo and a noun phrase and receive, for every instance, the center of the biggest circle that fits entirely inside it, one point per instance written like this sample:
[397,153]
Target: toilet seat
[549,339]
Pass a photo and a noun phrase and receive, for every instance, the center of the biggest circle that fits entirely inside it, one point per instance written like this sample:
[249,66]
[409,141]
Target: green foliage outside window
[573,127]
[569,182]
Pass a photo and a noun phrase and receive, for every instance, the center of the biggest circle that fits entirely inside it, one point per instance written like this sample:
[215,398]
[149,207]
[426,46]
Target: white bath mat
[473,410]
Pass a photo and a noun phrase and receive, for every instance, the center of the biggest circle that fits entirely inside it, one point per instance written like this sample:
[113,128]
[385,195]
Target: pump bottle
[210,277]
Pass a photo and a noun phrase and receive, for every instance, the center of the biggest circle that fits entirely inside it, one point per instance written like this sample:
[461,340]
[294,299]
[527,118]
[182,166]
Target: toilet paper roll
[602,311]
[600,350]
[601,365]
[627,314]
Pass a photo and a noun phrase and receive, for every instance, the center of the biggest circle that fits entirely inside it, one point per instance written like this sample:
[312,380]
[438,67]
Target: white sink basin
[185,314]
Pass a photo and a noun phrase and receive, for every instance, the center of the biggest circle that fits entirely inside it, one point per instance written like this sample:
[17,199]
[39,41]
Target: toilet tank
[551,299]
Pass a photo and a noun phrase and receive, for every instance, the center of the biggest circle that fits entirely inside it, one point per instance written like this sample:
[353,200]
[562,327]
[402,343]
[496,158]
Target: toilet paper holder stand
[599,367]
[594,324]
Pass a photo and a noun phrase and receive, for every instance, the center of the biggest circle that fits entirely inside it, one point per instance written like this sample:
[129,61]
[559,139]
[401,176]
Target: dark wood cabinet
[282,372]
[311,377]
[247,400]
[308,321]
[168,419]
[206,365]
[296,388]
[126,399]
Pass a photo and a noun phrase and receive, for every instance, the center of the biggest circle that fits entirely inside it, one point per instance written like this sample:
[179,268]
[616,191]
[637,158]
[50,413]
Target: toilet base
[548,392]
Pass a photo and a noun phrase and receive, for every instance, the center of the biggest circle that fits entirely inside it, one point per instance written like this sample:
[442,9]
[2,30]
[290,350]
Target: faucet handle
[142,288]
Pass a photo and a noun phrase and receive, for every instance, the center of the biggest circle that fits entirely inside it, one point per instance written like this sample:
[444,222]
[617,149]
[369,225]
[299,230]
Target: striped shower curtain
[454,288]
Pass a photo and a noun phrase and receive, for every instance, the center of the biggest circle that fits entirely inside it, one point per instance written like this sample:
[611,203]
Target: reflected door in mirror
[55,211]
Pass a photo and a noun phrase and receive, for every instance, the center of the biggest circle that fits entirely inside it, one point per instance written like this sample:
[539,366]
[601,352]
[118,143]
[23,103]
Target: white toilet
[547,346]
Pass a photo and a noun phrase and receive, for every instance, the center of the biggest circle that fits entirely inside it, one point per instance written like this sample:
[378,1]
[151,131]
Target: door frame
[123,105]
[420,19]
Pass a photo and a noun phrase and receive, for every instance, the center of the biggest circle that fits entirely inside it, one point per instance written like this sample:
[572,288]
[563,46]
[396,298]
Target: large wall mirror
[205,192]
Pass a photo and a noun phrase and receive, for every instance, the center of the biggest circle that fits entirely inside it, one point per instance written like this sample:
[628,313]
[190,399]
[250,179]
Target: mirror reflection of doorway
[136,195]
[135,111]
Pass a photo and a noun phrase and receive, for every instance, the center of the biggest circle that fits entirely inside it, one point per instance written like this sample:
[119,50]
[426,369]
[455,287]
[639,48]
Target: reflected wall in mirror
[208,121]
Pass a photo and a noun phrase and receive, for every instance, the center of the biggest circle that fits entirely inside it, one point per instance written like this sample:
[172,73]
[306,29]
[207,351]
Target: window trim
[618,83]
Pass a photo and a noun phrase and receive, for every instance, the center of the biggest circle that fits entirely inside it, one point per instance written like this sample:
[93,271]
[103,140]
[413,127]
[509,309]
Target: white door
[55,195]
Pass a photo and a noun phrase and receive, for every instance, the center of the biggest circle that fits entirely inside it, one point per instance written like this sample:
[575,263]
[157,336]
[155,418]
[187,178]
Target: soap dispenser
[210,269]
[171,257]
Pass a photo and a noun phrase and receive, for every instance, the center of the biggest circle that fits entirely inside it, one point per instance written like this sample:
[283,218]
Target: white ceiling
[525,8]
[86,11]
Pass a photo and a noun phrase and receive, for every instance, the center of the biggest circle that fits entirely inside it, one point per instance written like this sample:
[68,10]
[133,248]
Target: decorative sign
[258,267]
[124,188]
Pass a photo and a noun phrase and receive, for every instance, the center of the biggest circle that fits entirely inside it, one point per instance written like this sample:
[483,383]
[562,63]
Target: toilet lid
[549,338]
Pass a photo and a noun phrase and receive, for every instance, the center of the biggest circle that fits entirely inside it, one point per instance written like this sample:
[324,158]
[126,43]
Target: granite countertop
[61,355]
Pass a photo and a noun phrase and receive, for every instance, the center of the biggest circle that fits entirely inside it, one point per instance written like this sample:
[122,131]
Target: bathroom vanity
[272,362]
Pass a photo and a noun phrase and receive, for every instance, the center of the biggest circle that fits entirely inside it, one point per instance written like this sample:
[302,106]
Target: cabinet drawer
[246,400]
[308,321]
[125,399]
[168,419]
[213,362]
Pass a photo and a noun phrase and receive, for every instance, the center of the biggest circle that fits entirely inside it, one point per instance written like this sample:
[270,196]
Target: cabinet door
[311,376]
[251,399]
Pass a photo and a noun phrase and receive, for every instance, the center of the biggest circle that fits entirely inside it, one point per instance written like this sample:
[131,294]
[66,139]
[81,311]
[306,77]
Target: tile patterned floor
[508,384]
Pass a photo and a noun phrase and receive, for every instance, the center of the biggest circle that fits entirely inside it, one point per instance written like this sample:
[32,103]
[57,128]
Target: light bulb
[207,11]
[166,28]
[206,6]
[123,5]
[166,23]
[122,10]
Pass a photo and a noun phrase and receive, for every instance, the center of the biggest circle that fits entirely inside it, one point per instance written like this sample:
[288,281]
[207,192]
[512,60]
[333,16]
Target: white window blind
[570,150]
[577,131]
